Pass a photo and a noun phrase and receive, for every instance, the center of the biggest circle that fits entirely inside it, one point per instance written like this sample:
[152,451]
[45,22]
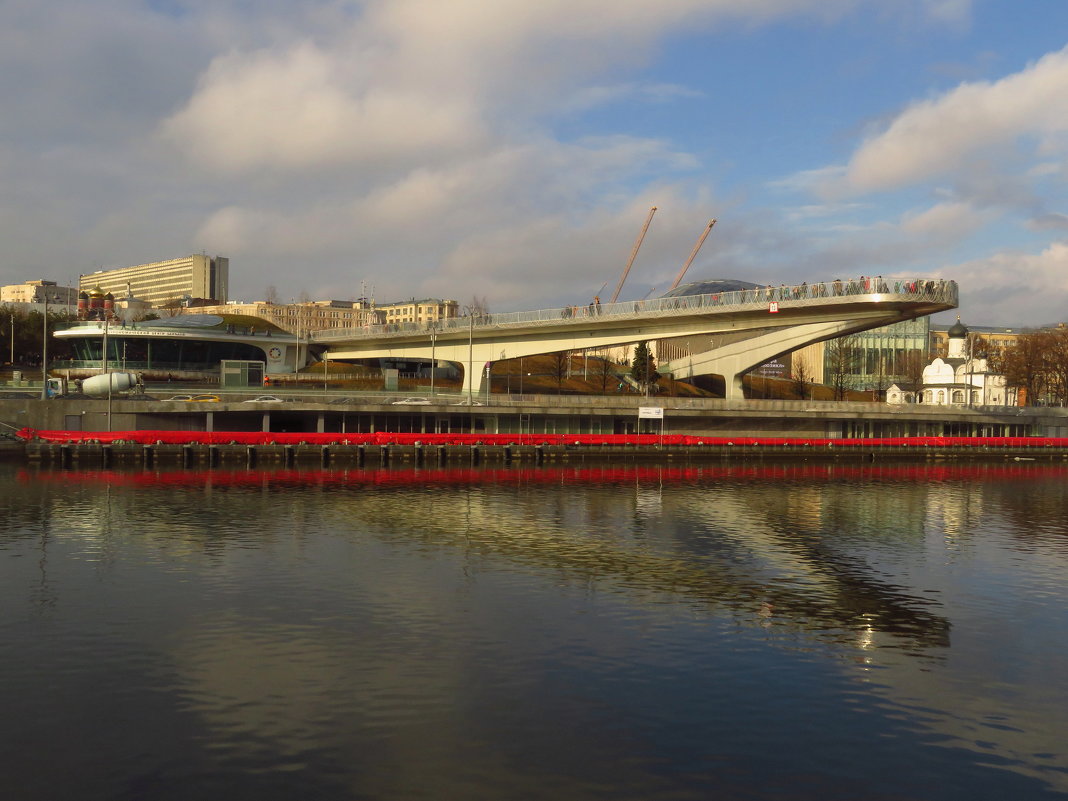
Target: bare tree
[478,306]
[802,379]
[1024,364]
[912,371]
[559,368]
[1057,365]
[842,364]
[271,295]
[607,371]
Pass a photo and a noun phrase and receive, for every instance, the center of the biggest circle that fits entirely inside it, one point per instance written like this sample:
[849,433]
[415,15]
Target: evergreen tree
[643,367]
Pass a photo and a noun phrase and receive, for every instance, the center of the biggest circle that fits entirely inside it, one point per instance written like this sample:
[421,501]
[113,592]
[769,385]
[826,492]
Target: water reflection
[333,621]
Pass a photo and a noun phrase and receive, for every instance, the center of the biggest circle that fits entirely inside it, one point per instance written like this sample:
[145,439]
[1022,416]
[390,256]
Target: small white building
[957,380]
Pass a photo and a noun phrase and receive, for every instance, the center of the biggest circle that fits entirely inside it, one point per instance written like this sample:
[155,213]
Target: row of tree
[1036,364]
[21,335]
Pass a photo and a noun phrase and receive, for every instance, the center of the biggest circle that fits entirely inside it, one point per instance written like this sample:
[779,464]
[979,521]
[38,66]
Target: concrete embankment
[107,455]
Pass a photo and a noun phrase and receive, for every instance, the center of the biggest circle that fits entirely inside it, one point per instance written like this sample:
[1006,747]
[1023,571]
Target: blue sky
[510,149]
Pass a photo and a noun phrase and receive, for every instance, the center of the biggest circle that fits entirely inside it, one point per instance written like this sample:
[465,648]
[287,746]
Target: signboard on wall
[650,413]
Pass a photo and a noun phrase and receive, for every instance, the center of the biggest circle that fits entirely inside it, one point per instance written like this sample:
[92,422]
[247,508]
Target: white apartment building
[38,292]
[159,282]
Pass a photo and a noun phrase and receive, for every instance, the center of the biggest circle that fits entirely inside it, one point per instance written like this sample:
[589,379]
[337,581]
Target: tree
[1056,367]
[559,368]
[802,379]
[912,371]
[271,295]
[607,371]
[842,357]
[643,367]
[478,306]
[27,328]
[1024,364]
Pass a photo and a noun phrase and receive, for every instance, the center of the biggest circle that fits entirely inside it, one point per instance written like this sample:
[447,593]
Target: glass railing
[939,291]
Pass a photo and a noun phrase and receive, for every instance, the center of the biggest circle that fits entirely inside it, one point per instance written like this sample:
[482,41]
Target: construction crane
[693,255]
[633,255]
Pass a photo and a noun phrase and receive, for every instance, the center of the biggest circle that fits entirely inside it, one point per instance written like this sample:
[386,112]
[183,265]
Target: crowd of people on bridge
[863,285]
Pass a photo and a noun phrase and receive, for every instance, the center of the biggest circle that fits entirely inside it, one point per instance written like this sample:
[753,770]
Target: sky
[510,150]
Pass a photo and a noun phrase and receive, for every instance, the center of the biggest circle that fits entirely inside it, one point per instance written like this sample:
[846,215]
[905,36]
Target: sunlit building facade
[164,282]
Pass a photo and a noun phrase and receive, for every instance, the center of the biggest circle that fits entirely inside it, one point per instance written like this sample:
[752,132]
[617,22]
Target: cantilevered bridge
[746,328]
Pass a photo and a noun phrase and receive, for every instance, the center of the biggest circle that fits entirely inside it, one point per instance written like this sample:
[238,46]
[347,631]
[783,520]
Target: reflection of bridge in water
[746,328]
[641,530]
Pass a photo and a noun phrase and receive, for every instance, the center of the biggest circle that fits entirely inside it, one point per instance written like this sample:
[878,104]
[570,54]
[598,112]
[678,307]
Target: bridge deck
[939,293]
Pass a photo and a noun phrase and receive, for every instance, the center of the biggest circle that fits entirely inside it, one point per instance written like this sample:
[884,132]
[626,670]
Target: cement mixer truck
[97,385]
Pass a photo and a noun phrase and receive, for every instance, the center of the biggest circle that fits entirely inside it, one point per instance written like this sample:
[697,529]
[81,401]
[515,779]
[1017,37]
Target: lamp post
[44,351]
[470,357]
[107,371]
[433,359]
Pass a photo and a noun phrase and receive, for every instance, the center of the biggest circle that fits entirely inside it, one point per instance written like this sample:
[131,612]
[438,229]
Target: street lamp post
[470,357]
[107,371]
[433,359]
[44,351]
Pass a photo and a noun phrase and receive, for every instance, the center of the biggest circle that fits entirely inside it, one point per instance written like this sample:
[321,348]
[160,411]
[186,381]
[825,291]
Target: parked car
[466,402]
[266,399]
[411,402]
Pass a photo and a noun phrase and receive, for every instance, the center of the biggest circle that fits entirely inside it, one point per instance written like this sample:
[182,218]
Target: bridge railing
[897,289]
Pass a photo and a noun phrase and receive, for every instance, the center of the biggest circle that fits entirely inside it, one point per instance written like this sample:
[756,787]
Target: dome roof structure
[957,330]
[710,286]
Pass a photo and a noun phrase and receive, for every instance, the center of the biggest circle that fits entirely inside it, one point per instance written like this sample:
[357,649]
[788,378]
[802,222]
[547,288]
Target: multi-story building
[162,282]
[300,318]
[1000,337]
[40,291]
[428,310]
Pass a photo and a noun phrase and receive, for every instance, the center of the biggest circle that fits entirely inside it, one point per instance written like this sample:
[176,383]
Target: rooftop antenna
[693,255]
[633,255]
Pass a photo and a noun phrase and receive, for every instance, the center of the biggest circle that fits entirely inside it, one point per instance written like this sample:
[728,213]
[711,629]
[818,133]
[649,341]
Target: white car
[265,399]
[411,402]
[466,402]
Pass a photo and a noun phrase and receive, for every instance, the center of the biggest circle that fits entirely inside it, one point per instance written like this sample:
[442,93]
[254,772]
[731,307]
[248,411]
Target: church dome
[957,330]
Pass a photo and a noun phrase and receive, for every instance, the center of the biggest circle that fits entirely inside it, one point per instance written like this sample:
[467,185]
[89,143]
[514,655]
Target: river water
[746,632]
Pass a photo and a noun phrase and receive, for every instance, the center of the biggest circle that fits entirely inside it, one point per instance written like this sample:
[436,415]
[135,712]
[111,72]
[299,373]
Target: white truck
[97,385]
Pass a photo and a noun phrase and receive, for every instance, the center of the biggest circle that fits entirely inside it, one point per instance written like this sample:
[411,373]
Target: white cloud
[423,80]
[945,220]
[1024,288]
[290,110]
[941,136]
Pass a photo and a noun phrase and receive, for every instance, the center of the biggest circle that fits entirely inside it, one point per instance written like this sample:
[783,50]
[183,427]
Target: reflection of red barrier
[408,476]
[606,440]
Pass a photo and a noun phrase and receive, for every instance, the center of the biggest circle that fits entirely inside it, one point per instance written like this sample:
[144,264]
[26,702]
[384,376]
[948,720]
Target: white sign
[651,412]
[773,307]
